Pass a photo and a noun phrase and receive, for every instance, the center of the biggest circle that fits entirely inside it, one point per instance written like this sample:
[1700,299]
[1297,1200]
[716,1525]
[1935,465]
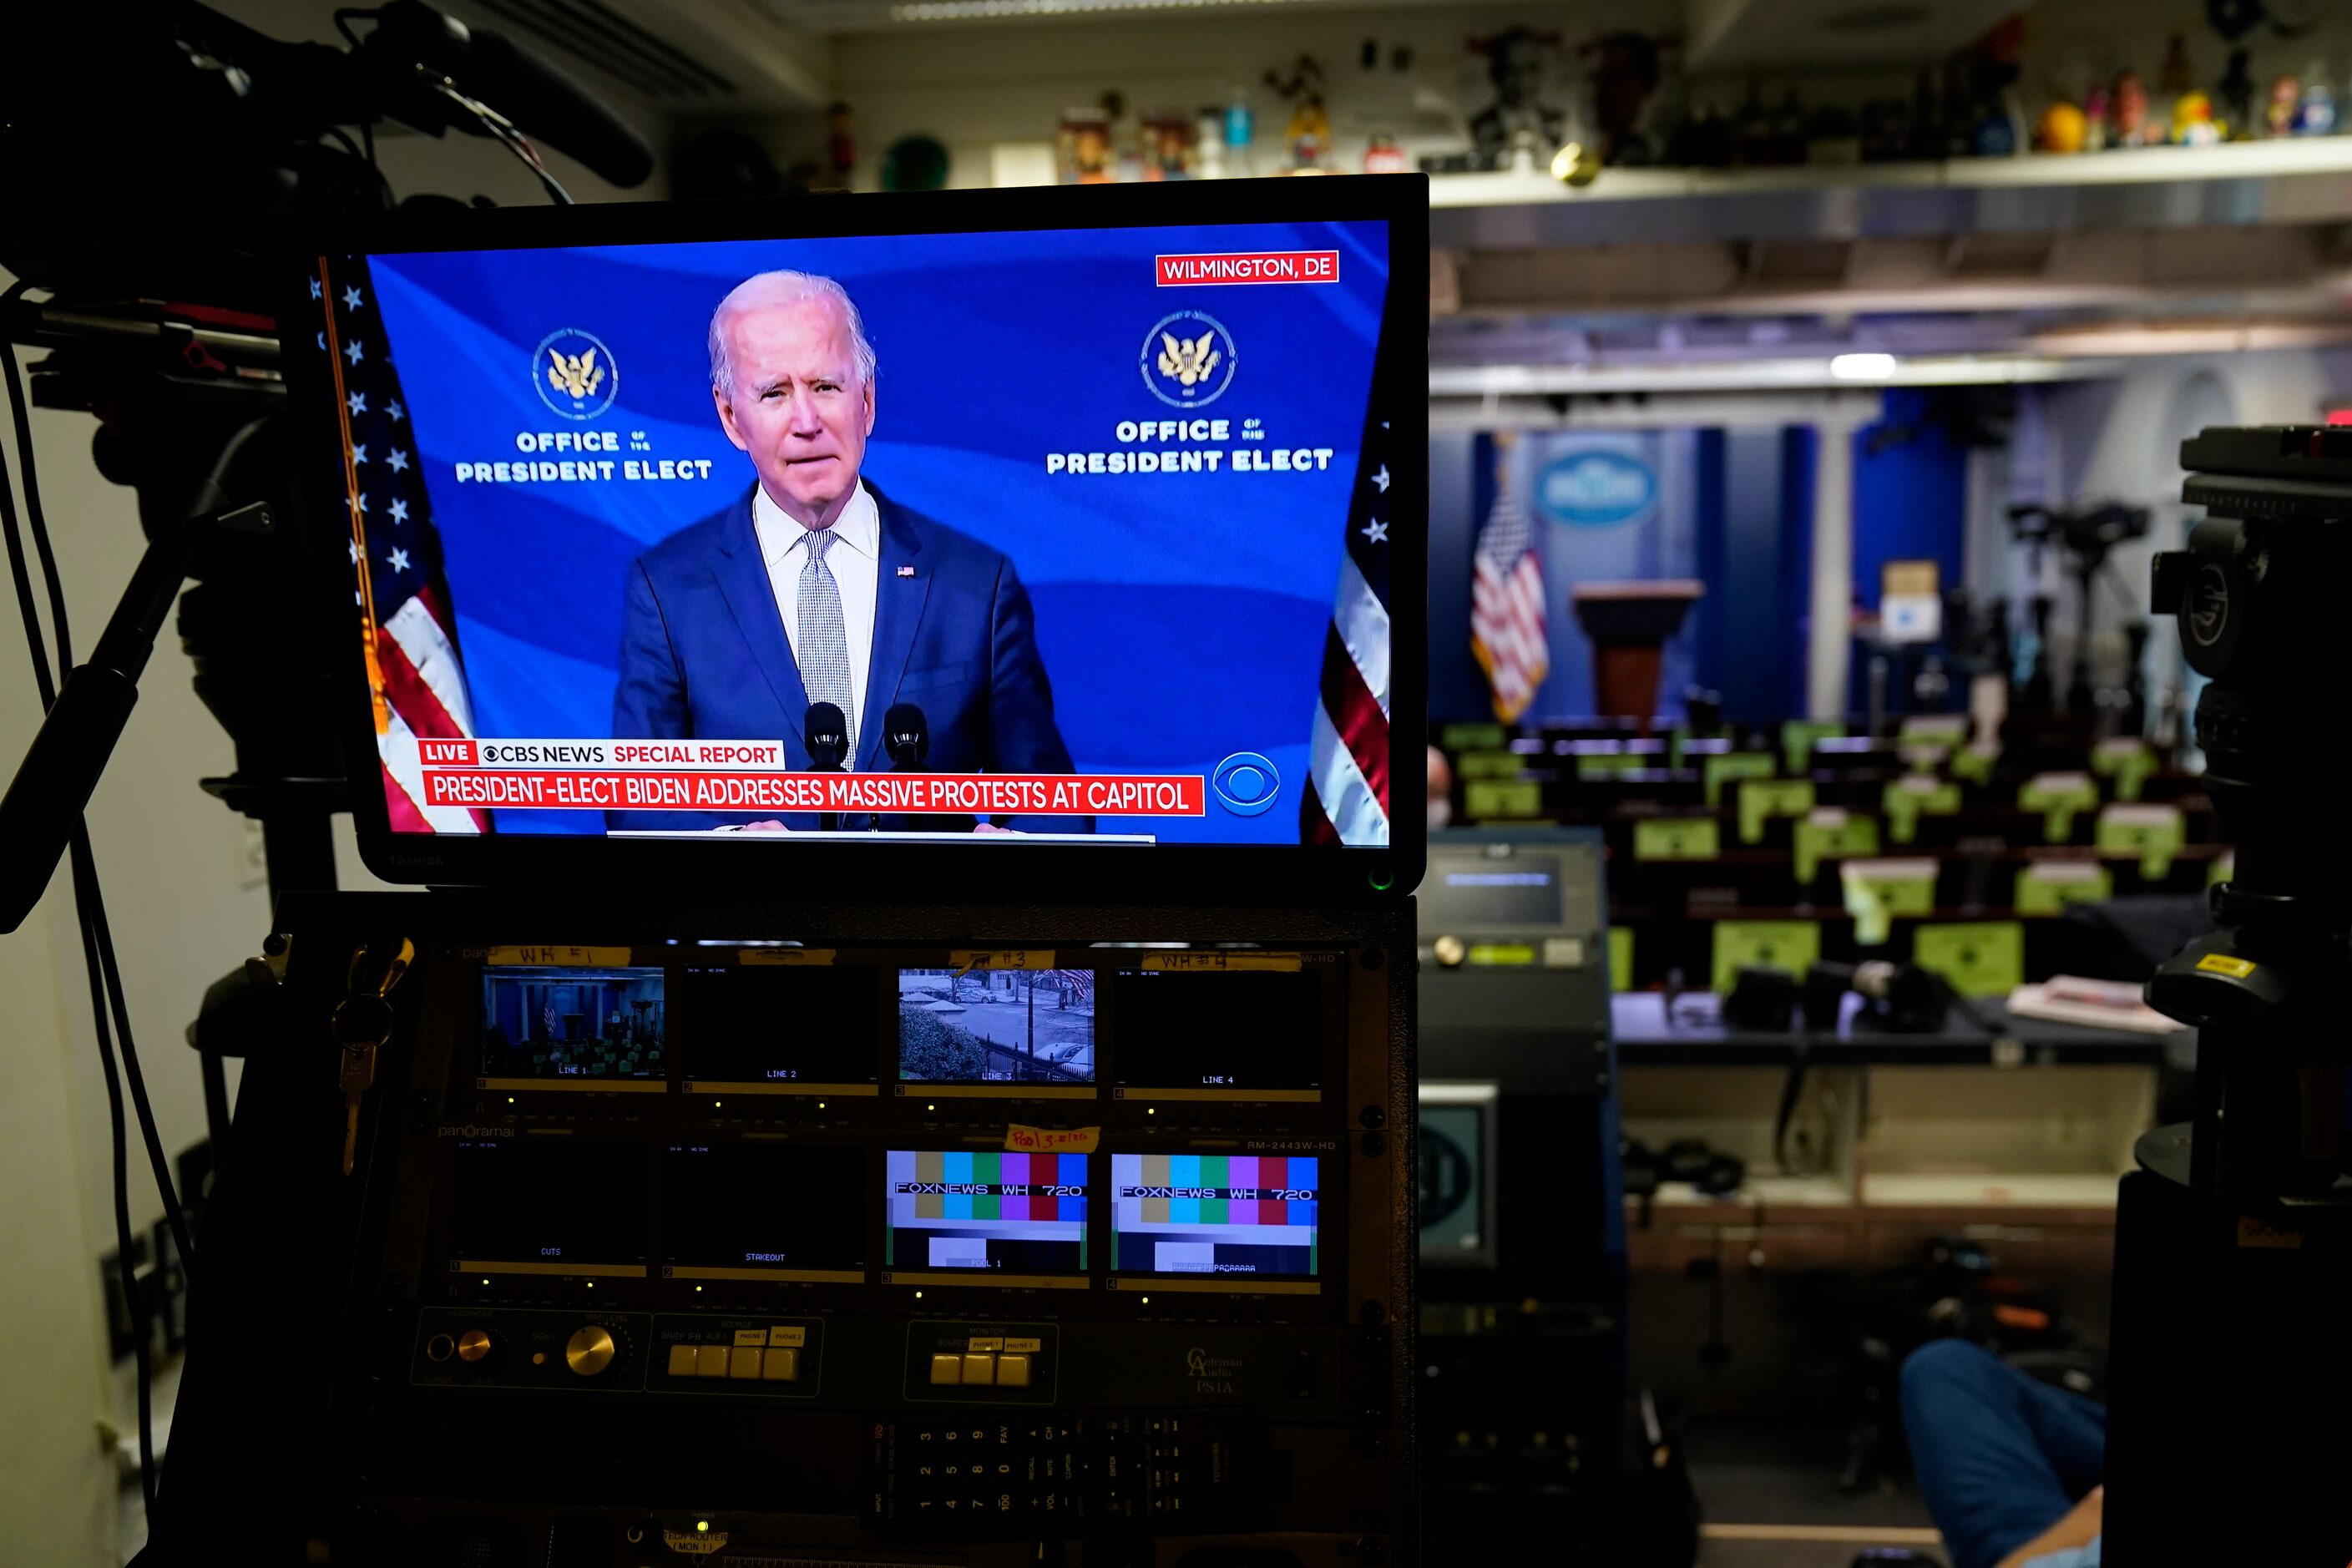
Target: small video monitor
[1219,1035]
[757,1029]
[1028,1033]
[1457,1175]
[548,1205]
[987,1217]
[1232,1222]
[560,1027]
[763,1211]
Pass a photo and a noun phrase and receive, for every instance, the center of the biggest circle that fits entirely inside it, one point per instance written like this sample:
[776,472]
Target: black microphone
[907,736]
[825,734]
[538,99]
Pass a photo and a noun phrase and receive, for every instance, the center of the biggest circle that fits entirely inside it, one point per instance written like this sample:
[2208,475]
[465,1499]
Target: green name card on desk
[1501,800]
[1797,738]
[1975,763]
[1947,730]
[1923,756]
[1830,834]
[1473,737]
[1916,795]
[1609,764]
[2128,760]
[1763,798]
[1621,959]
[1878,890]
[1793,945]
[2047,887]
[2154,833]
[1980,958]
[1489,766]
[1678,839]
[1724,765]
[2058,797]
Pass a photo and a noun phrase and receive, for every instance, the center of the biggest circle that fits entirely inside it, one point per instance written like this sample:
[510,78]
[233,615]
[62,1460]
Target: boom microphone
[907,736]
[826,733]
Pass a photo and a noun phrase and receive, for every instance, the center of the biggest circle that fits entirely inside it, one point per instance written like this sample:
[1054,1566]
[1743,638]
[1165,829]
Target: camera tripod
[2233,1239]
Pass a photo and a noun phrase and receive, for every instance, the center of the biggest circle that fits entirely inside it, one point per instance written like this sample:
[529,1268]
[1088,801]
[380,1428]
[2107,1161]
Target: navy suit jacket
[703,654]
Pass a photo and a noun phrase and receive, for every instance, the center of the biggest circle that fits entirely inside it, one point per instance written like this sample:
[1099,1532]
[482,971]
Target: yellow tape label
[2261,1233]
[964,961]
[567,957]
[2222,964]
[791,1339]
[784,957]
[1052,1139]
[1184,962]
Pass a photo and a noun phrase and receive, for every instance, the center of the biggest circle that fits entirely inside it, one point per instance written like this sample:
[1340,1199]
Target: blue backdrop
[1181,618]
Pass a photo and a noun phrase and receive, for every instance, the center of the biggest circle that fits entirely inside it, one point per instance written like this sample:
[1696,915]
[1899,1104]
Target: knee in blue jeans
[1943,1365]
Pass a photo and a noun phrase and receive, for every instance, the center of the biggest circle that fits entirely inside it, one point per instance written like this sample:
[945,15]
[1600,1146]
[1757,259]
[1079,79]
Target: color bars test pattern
[1239,1199]
[988,1193]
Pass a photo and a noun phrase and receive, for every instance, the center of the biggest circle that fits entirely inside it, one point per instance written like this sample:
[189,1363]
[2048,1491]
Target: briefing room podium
[1629,624]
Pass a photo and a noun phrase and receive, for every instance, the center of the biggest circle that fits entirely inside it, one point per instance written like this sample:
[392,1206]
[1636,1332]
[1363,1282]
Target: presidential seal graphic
[575,373]
[1189,360]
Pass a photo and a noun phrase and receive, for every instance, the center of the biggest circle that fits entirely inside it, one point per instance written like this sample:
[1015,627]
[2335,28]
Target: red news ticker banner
[747,775]
[1247,266]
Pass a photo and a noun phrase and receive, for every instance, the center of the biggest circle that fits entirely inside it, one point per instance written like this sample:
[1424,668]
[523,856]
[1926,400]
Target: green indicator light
[1381,878]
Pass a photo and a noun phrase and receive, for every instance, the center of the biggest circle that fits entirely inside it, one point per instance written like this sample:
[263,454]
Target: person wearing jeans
[2010,1467]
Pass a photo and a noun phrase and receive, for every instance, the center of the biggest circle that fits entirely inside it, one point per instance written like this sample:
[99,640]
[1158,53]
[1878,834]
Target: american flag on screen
[1347,797]
[1507,599]
[417,679]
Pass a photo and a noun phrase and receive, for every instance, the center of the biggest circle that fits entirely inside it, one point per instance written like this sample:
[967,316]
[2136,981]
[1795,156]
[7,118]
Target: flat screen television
[894,536]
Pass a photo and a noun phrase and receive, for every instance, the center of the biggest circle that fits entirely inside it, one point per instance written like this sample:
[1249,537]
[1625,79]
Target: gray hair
[767,290]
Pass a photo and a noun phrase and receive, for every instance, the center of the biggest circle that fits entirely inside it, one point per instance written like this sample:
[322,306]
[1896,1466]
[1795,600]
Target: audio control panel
[752,1227]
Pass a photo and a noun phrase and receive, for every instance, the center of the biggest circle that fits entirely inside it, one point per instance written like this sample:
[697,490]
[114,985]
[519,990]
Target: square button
[782,1366]
[750,1337]
[745,1363]
[947,1369]
[980,1369]
[794,1337]
[1012,1372]
[682,1361]
[711,1361]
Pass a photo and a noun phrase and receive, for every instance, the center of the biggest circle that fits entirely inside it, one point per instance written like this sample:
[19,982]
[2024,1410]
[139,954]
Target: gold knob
[1450,951]
[589,1352]
[473,1345]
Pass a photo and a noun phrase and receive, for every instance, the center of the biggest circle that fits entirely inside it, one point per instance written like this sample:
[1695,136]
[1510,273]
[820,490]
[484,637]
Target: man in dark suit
[813,587]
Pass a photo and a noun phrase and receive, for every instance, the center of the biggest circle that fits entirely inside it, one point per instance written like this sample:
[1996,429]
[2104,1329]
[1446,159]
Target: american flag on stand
[1507,599]
[417,677]
[1347,797]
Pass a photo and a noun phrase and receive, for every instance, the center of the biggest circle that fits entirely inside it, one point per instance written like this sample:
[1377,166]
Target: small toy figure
[2234,98]
[1517,129]
[2127,111]
[2062,129]
[1384,156]
[2316,114]
[1310,130]
[2286,98]
[2192,121]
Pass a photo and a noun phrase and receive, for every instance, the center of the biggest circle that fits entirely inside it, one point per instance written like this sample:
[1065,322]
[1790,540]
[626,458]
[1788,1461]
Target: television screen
[1073,535]
[573,1028]
[1238,1216]
[984,1215]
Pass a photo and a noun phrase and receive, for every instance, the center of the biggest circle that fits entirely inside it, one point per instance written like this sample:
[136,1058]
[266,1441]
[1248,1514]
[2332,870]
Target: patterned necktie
[824,650]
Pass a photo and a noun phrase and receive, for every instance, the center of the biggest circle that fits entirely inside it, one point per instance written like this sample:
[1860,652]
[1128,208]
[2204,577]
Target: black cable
[127,1266]
[33,512]
[92,908]
[85,874]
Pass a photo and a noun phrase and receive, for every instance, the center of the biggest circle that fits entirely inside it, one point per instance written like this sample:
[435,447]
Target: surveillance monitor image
[1076,536]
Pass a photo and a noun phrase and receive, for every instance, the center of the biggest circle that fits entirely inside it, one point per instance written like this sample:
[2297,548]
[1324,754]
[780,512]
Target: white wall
[186,903]
[2120,439]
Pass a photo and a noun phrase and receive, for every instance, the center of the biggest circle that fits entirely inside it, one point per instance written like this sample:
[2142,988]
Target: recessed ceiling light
[1862,367]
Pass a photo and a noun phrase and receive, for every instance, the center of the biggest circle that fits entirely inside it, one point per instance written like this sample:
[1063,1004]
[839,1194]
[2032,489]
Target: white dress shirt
[856,562]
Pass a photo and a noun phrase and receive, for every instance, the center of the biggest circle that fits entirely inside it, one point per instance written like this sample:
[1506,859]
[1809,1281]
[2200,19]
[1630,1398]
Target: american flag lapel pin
[906,571]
